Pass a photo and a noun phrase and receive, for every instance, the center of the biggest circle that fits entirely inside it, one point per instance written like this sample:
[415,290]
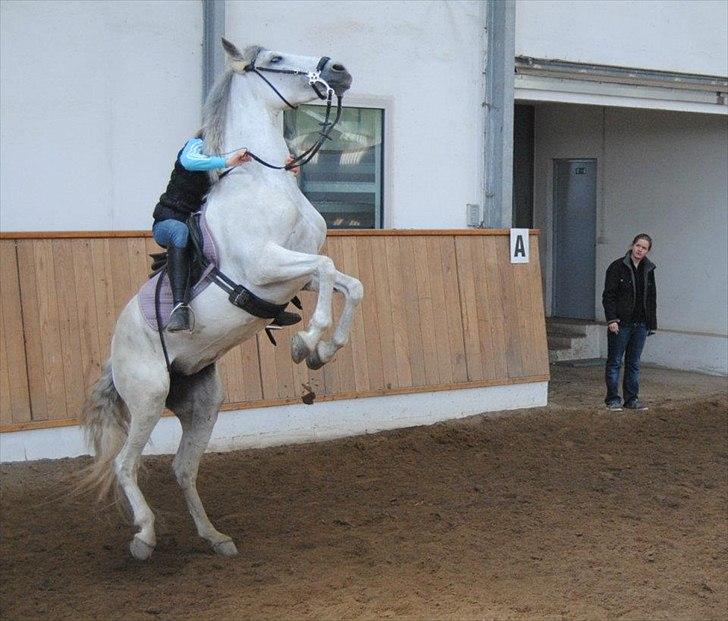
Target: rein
[314,81]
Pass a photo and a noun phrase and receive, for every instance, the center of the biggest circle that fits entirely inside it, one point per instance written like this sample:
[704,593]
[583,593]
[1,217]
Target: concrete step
[558,342]
[562,330]
[572,339]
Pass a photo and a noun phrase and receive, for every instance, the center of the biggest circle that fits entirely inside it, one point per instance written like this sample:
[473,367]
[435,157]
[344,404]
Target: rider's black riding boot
[178,269]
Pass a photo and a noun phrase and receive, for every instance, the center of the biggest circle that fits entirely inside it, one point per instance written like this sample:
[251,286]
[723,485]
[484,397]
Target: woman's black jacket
[619,292]
[184,194]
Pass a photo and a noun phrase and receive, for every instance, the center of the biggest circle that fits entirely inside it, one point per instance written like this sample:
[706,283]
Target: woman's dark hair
[644,236]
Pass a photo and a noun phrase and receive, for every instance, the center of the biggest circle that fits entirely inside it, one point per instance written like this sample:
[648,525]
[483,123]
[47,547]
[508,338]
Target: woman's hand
[296,169]
[237,158]
[613,327]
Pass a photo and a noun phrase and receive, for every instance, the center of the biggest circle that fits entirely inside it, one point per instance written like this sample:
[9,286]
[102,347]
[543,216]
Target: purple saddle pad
[147,292]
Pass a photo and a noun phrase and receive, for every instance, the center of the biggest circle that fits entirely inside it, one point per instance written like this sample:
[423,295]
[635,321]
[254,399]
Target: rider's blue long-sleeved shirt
[192,157]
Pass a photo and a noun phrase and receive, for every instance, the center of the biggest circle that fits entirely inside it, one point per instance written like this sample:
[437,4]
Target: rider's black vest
[184,193]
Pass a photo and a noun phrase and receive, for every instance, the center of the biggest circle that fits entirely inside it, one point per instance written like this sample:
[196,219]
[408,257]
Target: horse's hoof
[299,349]
[313,361]
[225,548]
[139,549]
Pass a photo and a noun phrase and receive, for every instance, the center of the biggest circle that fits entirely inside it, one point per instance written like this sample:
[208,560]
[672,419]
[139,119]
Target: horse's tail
[106,425]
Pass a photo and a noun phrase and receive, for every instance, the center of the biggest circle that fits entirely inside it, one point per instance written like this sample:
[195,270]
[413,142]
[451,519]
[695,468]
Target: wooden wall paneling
[524,307]
[428,330]
[539,357]
[343,362]
[15,398]
[104,294]
[469,308]
[357,337]
[483,293]
[379,291]
[250,370]
[268,369]
[438,310]
[139,262]
[513,329]
[411,310]
[399,319]
[284,367]
[456,330]
[431,262]
[90,354]
[32,329]
[48,314]
[367,316]
[229,368]
[493,305]
[526,314]
[121,272]
[70,326]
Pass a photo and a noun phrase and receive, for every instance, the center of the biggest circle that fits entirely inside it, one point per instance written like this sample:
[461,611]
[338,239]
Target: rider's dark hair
[644,236]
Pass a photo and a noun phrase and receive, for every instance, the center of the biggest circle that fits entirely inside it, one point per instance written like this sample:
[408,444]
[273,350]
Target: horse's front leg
[278,265]
[353,292]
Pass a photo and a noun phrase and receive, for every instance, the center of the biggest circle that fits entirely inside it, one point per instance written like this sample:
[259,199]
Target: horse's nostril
[338,67]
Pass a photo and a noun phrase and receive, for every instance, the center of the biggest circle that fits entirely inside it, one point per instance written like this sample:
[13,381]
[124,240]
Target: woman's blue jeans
[627,344]
[170,233]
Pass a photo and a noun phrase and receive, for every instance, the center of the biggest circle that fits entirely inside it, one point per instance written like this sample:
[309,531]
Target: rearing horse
[268,238]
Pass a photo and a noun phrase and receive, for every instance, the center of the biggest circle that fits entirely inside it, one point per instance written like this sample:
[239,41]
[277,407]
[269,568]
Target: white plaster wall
[422,62]
[668,35]
[96,99]
[663,173]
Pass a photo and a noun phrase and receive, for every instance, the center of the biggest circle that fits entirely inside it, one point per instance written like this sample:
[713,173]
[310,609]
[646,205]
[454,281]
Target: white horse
[268,237]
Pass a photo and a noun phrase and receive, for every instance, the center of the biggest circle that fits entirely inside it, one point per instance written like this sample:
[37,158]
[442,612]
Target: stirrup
[190,318]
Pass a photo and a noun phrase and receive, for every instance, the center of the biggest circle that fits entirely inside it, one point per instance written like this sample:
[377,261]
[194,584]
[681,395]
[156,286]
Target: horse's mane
[214,112]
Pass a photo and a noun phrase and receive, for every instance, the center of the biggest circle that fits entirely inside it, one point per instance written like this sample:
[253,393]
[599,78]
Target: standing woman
[630,307]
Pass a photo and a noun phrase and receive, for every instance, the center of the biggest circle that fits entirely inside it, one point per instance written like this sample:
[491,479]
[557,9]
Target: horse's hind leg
[353,293]
[145,401]
[196,400]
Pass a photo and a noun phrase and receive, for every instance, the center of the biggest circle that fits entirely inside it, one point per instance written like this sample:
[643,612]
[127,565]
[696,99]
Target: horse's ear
[231,50]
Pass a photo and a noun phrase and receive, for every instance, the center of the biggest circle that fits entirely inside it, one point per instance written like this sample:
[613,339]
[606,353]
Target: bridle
[316,82]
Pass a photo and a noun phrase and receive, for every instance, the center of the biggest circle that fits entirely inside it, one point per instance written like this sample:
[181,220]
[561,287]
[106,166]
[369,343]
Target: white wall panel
[96,99]
[420,60]
[667,35]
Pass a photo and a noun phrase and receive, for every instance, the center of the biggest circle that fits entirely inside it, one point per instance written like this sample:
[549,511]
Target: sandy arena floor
[568,511]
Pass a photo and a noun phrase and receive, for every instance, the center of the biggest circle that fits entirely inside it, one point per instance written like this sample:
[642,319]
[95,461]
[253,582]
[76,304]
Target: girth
[238,295]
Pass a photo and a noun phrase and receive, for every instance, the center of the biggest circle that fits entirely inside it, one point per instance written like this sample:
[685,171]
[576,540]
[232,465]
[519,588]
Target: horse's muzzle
[337,77]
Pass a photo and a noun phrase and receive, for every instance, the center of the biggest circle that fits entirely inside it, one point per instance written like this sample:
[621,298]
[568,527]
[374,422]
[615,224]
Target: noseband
[314,78]
[316,82]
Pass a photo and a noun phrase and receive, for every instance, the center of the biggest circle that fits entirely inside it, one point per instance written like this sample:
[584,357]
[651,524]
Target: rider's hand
[613,327]
[296,169]
[237,158]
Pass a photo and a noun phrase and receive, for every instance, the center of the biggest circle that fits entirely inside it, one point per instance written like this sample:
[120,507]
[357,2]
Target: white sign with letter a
[519,245]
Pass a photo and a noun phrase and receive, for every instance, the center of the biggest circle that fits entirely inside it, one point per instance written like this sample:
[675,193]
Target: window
[344,179]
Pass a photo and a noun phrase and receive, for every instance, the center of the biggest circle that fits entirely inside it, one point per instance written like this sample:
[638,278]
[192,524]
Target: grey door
[575,218]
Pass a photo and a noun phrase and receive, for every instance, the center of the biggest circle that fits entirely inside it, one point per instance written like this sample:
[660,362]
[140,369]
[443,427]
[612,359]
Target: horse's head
[295,79]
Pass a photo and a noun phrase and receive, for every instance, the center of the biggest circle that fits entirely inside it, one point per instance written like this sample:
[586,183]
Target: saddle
[203,272]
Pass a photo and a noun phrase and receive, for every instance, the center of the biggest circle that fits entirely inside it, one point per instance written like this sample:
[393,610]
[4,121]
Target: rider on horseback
[188,185]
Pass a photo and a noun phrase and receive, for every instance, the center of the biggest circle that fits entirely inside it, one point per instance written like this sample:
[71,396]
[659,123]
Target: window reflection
[344,179]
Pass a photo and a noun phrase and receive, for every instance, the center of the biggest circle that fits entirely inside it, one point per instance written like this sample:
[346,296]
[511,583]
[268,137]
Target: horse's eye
[276,59]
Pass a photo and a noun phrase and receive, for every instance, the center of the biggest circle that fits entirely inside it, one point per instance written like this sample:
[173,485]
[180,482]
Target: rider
[188,185]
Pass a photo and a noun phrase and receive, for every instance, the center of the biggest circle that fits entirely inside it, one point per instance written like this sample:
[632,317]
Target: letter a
[520,247]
